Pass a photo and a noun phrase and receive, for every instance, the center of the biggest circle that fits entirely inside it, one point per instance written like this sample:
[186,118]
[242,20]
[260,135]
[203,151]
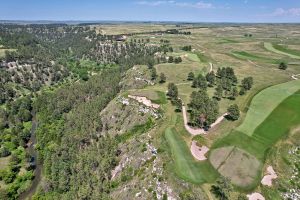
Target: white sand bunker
[199,152]
[255,196]
[144,101]
[267,179]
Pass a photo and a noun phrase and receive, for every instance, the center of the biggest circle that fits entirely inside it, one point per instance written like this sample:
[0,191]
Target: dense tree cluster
[175,60]
[69,138]
[15,129]
[203,110]
[187,48]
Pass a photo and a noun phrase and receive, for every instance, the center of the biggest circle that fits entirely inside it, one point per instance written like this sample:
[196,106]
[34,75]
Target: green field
[279,123]
[243,55]
[185,166]
[282,50]
[265,102]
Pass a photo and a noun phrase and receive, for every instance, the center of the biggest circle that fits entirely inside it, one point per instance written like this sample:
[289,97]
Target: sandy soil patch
[199,152]
[255,196]
[144,101]
[295,76]
[267,179]
[211,67]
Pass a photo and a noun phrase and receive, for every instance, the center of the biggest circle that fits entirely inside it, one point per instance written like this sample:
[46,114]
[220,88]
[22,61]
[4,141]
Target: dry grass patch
[237,165]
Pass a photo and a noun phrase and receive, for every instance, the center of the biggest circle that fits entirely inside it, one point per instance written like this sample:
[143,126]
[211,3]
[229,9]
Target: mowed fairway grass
[264,103]
[185,166]
[282,50]
[243,55]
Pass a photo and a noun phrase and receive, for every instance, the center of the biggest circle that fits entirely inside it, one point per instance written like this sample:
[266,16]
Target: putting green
[264,103]
[283,51]
[185,166]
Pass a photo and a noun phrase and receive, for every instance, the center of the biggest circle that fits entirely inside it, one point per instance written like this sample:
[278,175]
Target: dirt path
[211,67]
[295,76]
[183,84]
[187,127]
[199,152]
[198,131]
[253,63]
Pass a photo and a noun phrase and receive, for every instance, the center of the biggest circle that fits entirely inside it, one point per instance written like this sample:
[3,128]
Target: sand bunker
[199,152]
[144,101]
[267,179]
[255,196]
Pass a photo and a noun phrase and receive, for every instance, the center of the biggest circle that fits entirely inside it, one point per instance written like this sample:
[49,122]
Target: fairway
[243,55]
[279,123]
[185,166]
[264,103]
[283,51]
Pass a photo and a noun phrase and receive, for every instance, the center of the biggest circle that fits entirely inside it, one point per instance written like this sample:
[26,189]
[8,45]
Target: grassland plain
[281,50]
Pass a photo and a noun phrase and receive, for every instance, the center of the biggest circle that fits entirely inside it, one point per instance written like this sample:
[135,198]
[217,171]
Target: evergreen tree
[153,74]
[219,92]
[247,83]
[233,112]
[234,93]
[191,76]
[282,66]
[210,77]
[172,91]
[200,82]
[162,78]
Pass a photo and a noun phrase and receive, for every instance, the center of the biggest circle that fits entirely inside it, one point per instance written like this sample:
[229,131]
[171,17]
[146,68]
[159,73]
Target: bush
[4,152]
[233,112]
[282,66]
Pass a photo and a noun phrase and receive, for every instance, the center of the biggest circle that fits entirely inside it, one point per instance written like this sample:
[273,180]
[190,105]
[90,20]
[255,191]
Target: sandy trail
[255,196]
[253,63]
[183,84]
[198,131]
[144,101]
[295,76]
[267,179]
[211,67]
[199,152]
